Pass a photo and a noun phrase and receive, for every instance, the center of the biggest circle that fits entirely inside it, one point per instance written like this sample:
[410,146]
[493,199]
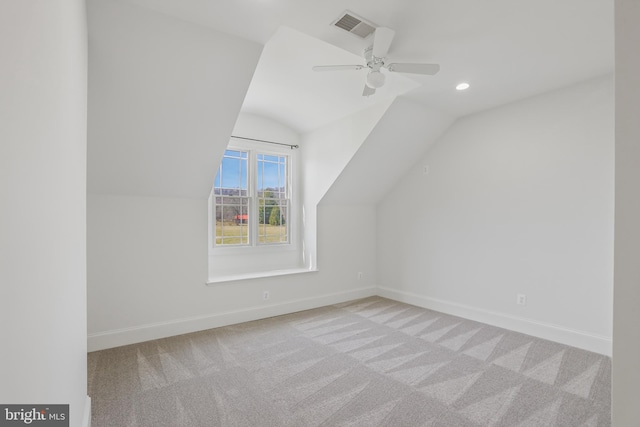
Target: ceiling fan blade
[368,91]
[428,69]
[337,67]
[382,39]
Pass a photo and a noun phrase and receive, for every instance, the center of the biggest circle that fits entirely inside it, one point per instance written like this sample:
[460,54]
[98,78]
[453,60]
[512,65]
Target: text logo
[34,415]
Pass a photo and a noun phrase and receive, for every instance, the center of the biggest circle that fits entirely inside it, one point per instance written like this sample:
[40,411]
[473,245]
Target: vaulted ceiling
[506,50]
[167,78]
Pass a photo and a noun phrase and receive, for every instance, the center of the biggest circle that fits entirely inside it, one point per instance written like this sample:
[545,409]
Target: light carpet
[372,362]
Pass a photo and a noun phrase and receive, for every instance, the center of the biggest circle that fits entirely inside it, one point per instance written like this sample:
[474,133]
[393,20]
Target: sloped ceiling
[169,91]
[397,141]
[506,49]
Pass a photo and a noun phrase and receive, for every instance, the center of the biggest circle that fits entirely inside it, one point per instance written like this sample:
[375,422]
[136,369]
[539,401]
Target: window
[251,198]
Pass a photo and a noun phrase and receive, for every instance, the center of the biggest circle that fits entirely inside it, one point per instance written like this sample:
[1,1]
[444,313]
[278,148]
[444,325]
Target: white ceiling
[284,87]
[506,50]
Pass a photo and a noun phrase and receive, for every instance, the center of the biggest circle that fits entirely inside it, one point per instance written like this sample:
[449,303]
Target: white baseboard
[125,336]
[572,337]
[136,334]
[86,416]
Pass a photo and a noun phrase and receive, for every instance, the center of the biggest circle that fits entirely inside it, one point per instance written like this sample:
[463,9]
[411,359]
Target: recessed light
[462,86]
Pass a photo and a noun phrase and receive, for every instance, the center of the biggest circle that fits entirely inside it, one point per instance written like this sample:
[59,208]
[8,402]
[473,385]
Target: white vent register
[353,24]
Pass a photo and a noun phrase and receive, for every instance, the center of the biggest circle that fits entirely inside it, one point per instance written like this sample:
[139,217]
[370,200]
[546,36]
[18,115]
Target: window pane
[273,221]
[260,175]
[272,175]
[233,173]
[231,178]
[232,220]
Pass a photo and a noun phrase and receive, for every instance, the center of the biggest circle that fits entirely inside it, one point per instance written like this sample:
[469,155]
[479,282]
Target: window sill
[257,275]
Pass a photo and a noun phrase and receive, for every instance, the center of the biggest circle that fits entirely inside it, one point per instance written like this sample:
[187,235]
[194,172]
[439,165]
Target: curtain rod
[268,142]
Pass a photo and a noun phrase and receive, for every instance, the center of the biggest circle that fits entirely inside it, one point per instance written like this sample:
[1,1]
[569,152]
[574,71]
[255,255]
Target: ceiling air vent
[355,25]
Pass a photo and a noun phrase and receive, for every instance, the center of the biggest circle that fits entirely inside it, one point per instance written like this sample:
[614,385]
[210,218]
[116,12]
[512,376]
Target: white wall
[43,76]
[626,335]
[148,266]
[324,154]
[147,238]
[250,125]
[518,199]
[146,259]
[402,135]
[148,269]
[164,95]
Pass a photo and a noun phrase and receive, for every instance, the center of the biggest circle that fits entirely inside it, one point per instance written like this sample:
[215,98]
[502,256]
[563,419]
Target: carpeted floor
[365,363]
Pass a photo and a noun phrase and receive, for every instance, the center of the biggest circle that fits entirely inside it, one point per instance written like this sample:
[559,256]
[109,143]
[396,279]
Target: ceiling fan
[375,56]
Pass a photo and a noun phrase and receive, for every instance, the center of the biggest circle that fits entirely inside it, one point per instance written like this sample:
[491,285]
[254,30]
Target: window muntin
[252,199]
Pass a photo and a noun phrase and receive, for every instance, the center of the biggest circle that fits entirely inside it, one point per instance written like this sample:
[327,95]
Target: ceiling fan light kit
[375,79]
[375,56]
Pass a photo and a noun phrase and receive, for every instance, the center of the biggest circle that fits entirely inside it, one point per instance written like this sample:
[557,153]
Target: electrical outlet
[265,295]
[359,275]
[521,299]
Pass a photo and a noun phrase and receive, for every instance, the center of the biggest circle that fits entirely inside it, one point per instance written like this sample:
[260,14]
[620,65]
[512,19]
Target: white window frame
[253,149]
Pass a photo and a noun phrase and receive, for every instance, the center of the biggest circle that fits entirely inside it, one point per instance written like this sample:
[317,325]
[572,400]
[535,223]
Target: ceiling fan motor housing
[373,62]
